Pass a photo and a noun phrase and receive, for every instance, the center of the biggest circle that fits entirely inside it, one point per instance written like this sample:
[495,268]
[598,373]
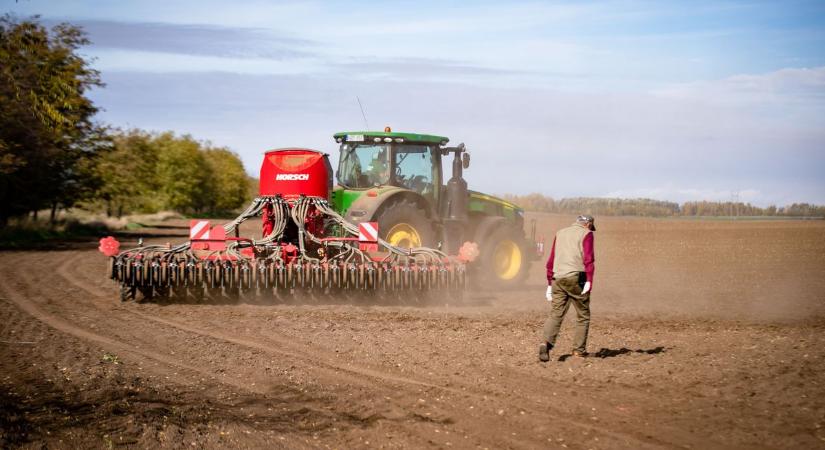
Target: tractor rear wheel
[503,259]
[405,225]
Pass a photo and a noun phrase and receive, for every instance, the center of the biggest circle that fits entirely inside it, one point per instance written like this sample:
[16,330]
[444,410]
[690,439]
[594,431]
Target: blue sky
[670,100]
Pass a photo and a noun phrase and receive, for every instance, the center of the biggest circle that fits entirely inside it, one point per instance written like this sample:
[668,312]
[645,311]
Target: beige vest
[568,257]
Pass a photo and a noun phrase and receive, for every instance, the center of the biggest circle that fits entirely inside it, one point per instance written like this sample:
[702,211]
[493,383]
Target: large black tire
[399,219]
[503,260]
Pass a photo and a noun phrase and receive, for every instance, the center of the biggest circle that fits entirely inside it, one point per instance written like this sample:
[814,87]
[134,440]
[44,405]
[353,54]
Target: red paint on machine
[294,172]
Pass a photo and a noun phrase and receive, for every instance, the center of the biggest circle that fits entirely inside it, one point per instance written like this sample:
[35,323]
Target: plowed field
[705,334]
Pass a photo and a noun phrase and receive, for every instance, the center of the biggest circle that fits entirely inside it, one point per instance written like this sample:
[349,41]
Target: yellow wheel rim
[404,235]
[507,259]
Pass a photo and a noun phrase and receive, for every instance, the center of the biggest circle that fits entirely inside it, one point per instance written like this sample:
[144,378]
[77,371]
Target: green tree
[128,174]
[48,141]
[228,183]
[147,172]
[183,175]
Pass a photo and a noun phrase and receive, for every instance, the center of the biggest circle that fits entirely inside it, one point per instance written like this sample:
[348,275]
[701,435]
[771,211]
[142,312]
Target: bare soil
[705,334]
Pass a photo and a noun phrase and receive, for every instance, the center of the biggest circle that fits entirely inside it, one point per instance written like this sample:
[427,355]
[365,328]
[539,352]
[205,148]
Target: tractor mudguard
[365,208]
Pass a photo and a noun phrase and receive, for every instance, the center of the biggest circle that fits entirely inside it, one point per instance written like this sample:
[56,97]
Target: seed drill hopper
[305,246]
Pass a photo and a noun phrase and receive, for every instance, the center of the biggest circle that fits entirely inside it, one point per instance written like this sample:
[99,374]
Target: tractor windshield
[364,165]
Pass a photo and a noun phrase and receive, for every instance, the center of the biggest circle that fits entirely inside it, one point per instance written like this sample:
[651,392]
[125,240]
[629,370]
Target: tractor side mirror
[465,160]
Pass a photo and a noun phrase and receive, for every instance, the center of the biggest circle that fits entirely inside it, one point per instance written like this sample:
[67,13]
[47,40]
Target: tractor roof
[369,136]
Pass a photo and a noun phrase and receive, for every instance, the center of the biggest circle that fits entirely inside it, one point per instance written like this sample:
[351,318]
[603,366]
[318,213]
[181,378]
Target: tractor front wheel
[404,224]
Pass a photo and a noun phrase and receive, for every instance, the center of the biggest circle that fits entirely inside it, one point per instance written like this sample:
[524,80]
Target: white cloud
[110,60]
[193,39]
[790,85]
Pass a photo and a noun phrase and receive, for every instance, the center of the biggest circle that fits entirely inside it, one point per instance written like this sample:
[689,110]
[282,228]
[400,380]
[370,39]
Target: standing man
[569,278]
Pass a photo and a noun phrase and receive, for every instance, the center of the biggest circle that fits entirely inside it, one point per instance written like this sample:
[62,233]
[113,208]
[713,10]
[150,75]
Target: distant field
[737,218]
[750,270]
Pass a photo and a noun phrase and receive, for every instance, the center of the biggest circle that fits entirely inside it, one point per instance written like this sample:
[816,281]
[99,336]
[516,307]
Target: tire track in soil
[323,364]
[123,346]
[67,394]
[347,417]
[117,346]
[355,375]
[347,412]
[96,292]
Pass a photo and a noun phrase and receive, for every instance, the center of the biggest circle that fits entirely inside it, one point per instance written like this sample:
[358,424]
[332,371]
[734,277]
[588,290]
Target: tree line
[53,154]
[658,208]
[149,172]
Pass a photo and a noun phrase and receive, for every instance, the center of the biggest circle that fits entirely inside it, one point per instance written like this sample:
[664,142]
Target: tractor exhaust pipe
[457,199]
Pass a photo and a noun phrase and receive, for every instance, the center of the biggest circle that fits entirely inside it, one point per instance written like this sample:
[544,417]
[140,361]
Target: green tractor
[397,180]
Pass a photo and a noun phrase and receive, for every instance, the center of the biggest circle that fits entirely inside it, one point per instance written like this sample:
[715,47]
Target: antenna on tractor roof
[362,113]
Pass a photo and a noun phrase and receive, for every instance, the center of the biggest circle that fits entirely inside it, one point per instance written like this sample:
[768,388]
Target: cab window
[414,169]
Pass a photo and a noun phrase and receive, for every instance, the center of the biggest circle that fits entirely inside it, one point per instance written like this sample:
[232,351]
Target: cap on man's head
[586,219]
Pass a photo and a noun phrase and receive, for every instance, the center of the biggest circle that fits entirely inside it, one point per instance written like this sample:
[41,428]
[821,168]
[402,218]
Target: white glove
[586,287]
[549,294]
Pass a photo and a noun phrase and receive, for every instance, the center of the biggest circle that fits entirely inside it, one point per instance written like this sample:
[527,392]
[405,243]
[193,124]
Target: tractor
[397,180]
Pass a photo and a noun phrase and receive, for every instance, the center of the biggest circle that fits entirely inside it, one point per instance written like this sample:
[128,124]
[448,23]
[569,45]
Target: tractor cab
[370,160]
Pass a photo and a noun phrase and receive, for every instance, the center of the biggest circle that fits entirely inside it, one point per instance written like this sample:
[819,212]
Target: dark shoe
[578,354]
[544,352]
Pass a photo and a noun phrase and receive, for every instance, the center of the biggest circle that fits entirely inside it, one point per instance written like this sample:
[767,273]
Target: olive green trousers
[567,291]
